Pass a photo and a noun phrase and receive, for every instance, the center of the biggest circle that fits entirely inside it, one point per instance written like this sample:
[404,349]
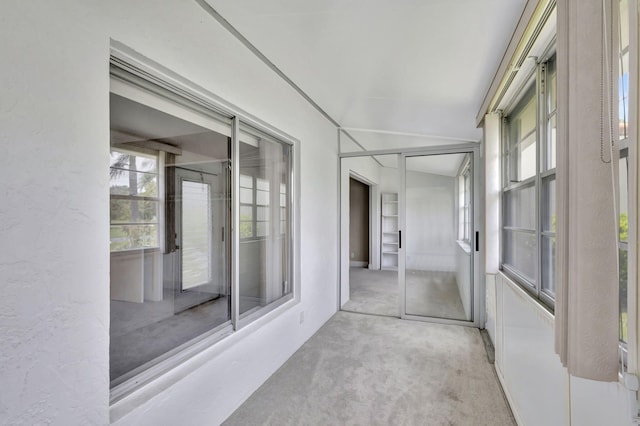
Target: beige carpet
[433,294]
[372,370]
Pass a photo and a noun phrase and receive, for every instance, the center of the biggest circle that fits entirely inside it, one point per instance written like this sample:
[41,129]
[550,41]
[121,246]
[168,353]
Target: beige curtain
[586,317]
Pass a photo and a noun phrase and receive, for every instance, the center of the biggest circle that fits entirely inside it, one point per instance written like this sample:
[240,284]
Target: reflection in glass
[438,272]
[169,215]
[623,296]
[549,265]
[519,253]
[265,166]
[549,204]
[520,207]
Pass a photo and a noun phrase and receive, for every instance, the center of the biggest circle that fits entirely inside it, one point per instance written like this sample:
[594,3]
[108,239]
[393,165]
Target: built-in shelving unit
[389,246]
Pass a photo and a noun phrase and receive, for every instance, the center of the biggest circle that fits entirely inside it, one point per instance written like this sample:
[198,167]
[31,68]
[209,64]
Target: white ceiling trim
[418,135]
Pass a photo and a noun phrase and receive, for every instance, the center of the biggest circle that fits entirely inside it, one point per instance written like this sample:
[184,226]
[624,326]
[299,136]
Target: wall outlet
[353,254]
[301,317]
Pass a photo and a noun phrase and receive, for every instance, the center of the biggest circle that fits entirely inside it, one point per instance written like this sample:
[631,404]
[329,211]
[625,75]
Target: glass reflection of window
[133,200]
[623,129]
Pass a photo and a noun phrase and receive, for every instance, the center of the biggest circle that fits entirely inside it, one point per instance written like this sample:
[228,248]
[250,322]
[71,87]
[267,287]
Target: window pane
[163,299]
[246,181]
[549,204]
[264,260]
[246,196]
[623,96]
[133,211]
[520,208]
[262,198]
[262,229]
[246,229]
[551,144]
[624,196]
[125,182]
[522,139]
[520,253]
[262,185]
[262,213]
[549,265]
[246,213]
[551,84]
[623,295]
[129,237]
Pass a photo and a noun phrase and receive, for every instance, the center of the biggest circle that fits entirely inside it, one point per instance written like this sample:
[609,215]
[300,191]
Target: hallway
[365,369]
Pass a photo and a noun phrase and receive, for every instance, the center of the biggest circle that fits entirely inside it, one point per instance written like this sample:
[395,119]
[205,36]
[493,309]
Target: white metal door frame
[477,281]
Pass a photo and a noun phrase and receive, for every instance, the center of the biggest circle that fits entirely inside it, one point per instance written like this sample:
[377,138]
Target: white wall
[430,222]
[539,388]
[54,146]
[136,276]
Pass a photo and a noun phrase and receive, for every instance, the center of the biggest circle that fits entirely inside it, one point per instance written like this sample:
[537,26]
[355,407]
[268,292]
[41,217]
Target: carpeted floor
[141,332]
[373,292]
[433,294]
[372,370]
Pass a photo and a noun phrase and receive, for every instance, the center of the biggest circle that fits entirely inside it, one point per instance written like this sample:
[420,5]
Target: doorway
[424,235]
[359,234]
[436,260]
[200,220]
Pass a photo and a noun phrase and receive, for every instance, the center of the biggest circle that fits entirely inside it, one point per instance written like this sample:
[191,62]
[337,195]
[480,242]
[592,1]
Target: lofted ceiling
[418,67]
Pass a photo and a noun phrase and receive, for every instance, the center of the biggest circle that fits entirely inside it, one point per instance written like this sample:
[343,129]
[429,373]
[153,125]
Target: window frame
[130,68]
[536,85]
[465,195]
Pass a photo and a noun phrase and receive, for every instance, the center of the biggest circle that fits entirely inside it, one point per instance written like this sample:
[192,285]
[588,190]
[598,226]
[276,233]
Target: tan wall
[358,221]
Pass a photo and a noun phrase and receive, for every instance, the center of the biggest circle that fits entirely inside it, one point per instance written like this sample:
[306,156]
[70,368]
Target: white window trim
[534,77]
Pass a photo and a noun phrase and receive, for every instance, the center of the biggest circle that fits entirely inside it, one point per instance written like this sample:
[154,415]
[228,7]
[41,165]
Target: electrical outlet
[353,254]
[301,317]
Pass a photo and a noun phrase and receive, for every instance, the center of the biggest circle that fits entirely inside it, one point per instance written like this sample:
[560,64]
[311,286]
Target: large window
[623,207]
[174,241]
[529,161]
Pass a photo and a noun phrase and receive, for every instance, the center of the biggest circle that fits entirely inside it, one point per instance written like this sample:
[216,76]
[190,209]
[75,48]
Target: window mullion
[540,147]
[235,222]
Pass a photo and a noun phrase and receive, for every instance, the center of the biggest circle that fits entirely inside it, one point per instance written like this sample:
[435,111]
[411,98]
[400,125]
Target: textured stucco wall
[54,250]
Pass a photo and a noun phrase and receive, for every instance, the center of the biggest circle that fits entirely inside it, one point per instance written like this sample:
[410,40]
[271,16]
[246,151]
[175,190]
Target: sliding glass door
[436,236]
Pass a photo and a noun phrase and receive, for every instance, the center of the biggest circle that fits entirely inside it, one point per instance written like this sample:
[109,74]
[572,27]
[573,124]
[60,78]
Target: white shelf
[389,217]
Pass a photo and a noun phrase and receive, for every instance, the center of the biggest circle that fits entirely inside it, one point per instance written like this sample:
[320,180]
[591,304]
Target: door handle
[399,240]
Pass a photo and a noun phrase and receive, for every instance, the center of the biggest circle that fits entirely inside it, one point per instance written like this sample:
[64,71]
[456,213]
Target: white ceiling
[413,66]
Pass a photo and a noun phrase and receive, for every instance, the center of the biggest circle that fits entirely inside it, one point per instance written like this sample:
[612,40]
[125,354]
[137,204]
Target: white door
[198,229]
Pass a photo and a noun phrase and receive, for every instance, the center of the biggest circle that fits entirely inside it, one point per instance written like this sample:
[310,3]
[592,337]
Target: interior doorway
[359,233]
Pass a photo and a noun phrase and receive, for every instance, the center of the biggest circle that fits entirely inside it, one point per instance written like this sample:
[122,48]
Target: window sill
[129,252]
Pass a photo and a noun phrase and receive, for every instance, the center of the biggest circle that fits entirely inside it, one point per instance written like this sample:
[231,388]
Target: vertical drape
[586,315]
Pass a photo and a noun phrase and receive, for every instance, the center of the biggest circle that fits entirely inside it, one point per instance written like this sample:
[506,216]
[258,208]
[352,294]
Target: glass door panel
[437,236]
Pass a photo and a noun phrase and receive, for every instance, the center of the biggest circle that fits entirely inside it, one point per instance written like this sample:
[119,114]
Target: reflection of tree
[133,210]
